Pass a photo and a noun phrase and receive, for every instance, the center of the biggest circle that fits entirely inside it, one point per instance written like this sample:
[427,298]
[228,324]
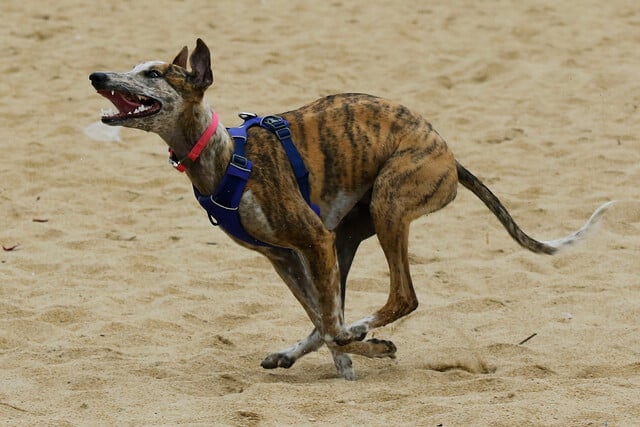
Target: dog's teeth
[108,112]
[140,109]
[113,92]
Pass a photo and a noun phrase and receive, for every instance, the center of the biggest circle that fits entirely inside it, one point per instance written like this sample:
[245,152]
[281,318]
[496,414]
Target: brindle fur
[374,167]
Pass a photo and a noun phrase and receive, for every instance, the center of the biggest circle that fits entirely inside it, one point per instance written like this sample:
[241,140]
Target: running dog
[373,165]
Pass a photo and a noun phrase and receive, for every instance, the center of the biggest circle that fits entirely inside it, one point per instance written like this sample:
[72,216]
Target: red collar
[182,165]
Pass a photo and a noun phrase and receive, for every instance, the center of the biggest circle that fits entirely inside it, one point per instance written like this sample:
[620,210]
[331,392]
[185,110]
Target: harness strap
[280,127]
[222,206]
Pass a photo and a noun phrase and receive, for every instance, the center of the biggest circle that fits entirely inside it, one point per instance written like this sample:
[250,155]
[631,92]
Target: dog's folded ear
[181,59]
[200,60]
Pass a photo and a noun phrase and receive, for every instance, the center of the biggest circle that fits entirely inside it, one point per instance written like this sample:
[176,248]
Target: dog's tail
[550,247]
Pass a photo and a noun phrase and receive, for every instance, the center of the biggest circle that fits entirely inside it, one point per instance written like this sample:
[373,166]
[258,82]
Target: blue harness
[222,205]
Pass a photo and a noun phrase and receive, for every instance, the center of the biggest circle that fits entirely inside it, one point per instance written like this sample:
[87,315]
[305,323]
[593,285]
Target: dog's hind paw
[278,360]
[382,348]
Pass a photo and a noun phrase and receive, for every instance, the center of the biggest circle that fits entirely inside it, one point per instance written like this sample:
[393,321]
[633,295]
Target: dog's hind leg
[417,180]
[355,227]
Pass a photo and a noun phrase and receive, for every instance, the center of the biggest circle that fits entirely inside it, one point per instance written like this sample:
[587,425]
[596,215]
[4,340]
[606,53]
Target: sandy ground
[121,305]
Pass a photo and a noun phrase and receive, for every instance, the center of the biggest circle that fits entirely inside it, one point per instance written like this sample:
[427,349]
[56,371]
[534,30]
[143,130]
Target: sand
[121,305]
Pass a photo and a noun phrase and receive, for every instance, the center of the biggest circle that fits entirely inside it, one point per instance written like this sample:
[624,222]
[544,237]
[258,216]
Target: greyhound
[373,167]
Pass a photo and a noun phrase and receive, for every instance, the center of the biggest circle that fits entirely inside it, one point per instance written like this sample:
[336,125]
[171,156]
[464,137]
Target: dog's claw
[278,360]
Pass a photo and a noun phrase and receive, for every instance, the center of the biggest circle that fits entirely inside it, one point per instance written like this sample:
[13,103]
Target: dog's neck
[207,171]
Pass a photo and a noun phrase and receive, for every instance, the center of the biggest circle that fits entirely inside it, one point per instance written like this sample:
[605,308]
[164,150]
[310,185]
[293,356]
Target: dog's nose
[98,78]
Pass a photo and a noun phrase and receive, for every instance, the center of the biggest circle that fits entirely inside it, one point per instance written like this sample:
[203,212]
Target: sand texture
[121,305]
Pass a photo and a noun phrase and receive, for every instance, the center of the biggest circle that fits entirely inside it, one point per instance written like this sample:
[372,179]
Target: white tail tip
[583,231]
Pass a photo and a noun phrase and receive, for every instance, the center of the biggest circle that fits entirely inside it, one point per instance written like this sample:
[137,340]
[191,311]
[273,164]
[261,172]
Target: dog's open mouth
[128,106]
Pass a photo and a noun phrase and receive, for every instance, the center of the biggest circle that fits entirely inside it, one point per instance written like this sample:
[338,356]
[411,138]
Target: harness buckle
[274,122]
[239,160]
[277,125]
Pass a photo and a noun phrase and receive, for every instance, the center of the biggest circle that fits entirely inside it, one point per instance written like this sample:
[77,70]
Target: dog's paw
[343,338]
[359,332]
[382,348]
[344,365]
[278,360]
[353,333]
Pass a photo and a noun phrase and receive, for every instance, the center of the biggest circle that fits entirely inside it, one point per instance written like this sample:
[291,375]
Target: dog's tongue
[123,103]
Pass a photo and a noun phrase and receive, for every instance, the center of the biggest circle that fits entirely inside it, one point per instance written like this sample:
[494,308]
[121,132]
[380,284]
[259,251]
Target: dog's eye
[153,74]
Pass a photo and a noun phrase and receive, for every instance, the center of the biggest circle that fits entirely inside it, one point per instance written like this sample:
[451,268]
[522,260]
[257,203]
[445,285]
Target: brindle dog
[374,167]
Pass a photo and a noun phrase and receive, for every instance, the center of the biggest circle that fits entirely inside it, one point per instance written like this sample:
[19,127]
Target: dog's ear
[200,61]
[181,59]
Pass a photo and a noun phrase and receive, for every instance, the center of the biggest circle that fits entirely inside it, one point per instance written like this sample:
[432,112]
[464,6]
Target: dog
[373,165]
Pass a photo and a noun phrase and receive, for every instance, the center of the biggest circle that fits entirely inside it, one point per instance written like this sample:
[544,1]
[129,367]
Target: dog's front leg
[287,357]
[319,256]
[293,271]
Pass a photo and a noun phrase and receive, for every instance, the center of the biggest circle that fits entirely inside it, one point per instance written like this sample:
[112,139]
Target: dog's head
[154,92]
